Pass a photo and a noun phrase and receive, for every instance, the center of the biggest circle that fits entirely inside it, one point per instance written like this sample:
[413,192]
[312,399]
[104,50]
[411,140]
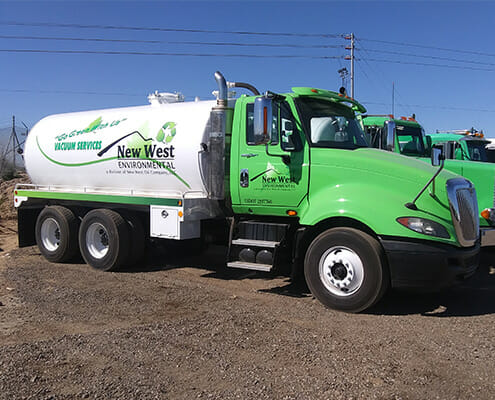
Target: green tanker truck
[469,145]
[406,136]
[283,179]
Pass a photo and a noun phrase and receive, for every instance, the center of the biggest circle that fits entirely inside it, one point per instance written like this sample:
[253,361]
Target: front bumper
[487,236]
[428,265]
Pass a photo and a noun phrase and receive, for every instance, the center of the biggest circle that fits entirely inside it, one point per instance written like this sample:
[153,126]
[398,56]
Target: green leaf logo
[93,125]
[166,132]
[161,135]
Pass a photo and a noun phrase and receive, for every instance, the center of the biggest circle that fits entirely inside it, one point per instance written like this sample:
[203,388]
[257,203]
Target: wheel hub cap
[50,234]
[341,271]
[97,240]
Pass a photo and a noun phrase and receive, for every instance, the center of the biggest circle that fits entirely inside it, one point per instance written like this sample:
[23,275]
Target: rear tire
[104,239]
[56,233]
[345,269]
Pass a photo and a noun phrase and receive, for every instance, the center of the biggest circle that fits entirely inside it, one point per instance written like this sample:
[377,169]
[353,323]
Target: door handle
[249,155]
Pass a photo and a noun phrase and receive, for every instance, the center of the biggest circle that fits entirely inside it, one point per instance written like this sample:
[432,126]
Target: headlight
[424,226]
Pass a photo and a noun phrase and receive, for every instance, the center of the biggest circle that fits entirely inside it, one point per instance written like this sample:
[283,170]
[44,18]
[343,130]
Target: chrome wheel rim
[50,234]
[97,240]
[341,271]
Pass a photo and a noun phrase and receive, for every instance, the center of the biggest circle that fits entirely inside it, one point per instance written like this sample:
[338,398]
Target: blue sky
[457,92]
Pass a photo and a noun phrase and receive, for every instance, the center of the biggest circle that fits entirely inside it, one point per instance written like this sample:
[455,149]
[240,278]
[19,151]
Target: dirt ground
[184,327]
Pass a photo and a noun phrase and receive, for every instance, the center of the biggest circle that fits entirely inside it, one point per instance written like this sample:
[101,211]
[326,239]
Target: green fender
[378,207]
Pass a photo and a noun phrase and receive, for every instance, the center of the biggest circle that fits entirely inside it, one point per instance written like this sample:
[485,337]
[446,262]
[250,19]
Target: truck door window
[410,140]
[375,136]
[477,150]
[283,127]
[289,137]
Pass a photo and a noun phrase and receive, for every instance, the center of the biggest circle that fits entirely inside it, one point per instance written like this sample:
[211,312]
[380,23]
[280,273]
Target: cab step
[257,230]
[255,243]
[250,266]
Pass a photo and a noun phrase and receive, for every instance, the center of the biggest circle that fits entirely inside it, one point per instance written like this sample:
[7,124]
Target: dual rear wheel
[106,239]
[56,233]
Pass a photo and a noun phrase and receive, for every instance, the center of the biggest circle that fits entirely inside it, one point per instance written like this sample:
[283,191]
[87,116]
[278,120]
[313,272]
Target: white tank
[150,149]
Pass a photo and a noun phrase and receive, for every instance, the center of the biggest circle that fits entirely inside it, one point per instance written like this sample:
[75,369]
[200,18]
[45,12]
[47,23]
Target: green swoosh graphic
[71,164]
[169,170]
[106,159]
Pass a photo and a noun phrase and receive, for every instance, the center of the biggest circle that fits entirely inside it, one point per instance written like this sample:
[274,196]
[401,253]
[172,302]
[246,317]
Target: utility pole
[13,135]
[16,148]
[351,58]
[393,98]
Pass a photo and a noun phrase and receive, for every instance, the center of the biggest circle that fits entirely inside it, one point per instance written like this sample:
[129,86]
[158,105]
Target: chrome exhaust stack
[216,146]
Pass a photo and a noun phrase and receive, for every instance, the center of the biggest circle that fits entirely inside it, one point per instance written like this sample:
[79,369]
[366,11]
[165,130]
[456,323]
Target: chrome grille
[464,210]
[468,214]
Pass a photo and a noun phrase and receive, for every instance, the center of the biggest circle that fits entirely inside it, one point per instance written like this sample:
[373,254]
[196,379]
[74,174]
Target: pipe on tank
[245,86]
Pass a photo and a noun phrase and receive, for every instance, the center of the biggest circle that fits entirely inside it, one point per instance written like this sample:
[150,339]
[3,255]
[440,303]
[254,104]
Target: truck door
[275,174]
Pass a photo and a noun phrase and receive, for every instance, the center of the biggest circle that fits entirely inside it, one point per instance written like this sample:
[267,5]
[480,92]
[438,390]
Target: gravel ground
[7,210]
[186,328]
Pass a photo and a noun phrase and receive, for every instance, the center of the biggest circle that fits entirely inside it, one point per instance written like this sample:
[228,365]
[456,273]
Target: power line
[432,107]
[140,53]
[373,70]
[394,88]
[4,121]
[427,56]
[430,47]
[159,29]
[172,42]
[427,64]
[286,56]
[68,92]
[285,34]
[381,87]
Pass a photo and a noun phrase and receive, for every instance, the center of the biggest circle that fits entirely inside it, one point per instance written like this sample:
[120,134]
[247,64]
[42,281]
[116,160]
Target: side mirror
[262,120]
[437,155]
[389,145]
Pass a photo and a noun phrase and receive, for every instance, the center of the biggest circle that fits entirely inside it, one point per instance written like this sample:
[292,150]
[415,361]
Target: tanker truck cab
[405,136]
[469,145]
[273,155]
[301,162]
[287,179]
[463,153]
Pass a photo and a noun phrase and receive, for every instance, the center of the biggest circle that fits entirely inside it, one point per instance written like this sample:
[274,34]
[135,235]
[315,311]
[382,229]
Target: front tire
[104,239]
[345,270]
[56,233]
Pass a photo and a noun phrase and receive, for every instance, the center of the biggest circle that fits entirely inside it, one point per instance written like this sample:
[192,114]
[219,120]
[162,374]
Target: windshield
[330,125]
[410,140]
[476,150]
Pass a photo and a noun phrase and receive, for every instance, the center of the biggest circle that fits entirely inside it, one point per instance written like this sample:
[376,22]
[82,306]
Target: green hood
[380,162]
[373,187]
